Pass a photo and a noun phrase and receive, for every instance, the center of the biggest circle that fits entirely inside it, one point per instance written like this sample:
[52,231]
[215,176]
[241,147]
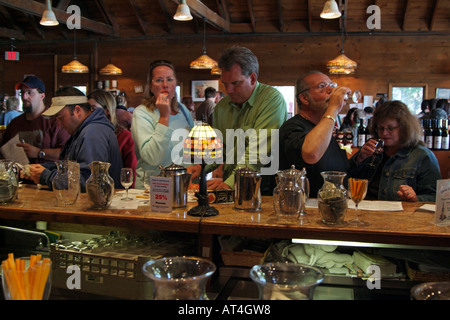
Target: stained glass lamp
[202,146]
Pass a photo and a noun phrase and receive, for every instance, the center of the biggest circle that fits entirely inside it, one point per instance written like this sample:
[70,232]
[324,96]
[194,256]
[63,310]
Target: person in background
[42,139]
[407,170]
[3,108]
[306,140]
[249,104]
[12,107]
[205,110]
[349,119]
[219,96]
[189,103]
[104,99]
[155,120]
[92,138]
[123,116]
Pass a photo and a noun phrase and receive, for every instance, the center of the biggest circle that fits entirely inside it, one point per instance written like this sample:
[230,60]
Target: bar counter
[412,226]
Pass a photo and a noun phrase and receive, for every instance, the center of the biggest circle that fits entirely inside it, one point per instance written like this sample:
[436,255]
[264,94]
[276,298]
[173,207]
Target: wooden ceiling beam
[309,16]
[137,13]
[280,16]
[252,14]
[433,15]
[167,16]
[36,9]
[10,33]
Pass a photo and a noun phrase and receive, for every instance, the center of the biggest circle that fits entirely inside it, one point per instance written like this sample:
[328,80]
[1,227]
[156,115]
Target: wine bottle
[428,134]
[445,137]
[437,135]
[368,127]
[361,133]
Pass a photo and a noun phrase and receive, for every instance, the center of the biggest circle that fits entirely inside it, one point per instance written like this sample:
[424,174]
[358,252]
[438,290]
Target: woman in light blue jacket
[155,120]
[406,170]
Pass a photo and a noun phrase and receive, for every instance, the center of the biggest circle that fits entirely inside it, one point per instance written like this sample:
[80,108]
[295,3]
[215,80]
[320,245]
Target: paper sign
[161,194]
[442,214]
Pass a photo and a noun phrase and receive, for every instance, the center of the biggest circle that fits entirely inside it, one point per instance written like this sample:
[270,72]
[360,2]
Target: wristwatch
[41,154]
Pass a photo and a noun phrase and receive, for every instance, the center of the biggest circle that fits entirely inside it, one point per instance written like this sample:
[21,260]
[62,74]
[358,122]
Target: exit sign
[12,55]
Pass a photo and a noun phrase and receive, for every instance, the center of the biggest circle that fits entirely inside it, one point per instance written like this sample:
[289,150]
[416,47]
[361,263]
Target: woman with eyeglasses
[154,121]
[406,169]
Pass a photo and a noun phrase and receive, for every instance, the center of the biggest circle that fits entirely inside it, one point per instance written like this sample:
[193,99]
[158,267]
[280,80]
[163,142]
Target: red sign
[12,55]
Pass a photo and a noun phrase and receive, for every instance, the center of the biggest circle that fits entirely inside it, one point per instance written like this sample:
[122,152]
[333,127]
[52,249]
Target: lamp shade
[330,10]
[110,70]
[48,17]
[204,62]
[183,13]
[74,67]
[341,65]
[202,145]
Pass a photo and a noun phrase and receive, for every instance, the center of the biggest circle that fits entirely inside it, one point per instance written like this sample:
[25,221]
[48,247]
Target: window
[288,93]
[410,94]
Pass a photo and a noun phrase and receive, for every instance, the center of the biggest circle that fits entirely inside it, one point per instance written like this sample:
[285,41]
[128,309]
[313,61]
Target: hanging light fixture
[204,62]
[342,64]
[183,13]
[110,70]
[330,10]
[74,66]
[48,17]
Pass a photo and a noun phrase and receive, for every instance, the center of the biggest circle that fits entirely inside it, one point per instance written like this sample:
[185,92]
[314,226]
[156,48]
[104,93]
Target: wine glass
[358,191]
[126,179]
[147,175]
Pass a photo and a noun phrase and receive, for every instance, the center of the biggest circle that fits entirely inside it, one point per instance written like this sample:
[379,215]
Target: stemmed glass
[358,191]
[126,179]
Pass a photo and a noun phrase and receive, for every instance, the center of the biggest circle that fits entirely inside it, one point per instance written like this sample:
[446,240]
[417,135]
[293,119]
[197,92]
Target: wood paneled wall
[381,60]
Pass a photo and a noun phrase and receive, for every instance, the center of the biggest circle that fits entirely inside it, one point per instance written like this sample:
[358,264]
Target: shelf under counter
[412,226]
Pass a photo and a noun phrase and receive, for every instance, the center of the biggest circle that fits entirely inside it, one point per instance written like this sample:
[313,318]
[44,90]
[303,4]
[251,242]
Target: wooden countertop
[409,227]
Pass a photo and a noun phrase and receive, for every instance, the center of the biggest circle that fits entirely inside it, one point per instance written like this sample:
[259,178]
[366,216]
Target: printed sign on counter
[442,215]
[161,194]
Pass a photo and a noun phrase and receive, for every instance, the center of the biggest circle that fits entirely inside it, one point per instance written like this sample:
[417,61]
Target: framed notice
[199,86]
[443,93]
[442,215]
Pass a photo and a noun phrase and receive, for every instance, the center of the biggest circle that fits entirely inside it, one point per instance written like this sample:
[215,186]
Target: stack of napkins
[364,261]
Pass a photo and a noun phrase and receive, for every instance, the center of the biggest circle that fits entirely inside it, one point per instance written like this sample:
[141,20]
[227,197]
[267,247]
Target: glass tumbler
[179,278]
[286,281]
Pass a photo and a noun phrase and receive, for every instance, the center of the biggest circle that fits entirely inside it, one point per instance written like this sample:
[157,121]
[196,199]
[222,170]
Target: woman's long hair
[410,131]
[149,99]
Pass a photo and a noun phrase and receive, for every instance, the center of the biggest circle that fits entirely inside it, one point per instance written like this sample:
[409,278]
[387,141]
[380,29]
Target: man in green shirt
[255,108]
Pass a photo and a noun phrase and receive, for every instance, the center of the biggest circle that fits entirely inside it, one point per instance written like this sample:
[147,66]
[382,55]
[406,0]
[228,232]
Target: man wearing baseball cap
[92,138]
[41,139]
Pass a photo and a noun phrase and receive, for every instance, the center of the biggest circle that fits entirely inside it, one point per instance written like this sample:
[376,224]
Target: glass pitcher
[100,185]
[332,197]
[9,182]
[179,278]
[66,183]
[290,194]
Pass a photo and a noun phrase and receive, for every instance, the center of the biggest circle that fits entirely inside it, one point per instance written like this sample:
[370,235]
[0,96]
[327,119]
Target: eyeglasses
[161,80]
[322,86]
[388,129]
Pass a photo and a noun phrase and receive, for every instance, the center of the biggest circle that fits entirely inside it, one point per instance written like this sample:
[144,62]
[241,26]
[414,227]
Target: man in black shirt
[306,140]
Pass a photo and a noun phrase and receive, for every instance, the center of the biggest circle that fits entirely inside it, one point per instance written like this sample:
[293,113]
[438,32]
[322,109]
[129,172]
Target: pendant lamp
[110,70]
[74,66]
[48,17]
[183,13]
[342,64]
[330,10]
[204,62]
